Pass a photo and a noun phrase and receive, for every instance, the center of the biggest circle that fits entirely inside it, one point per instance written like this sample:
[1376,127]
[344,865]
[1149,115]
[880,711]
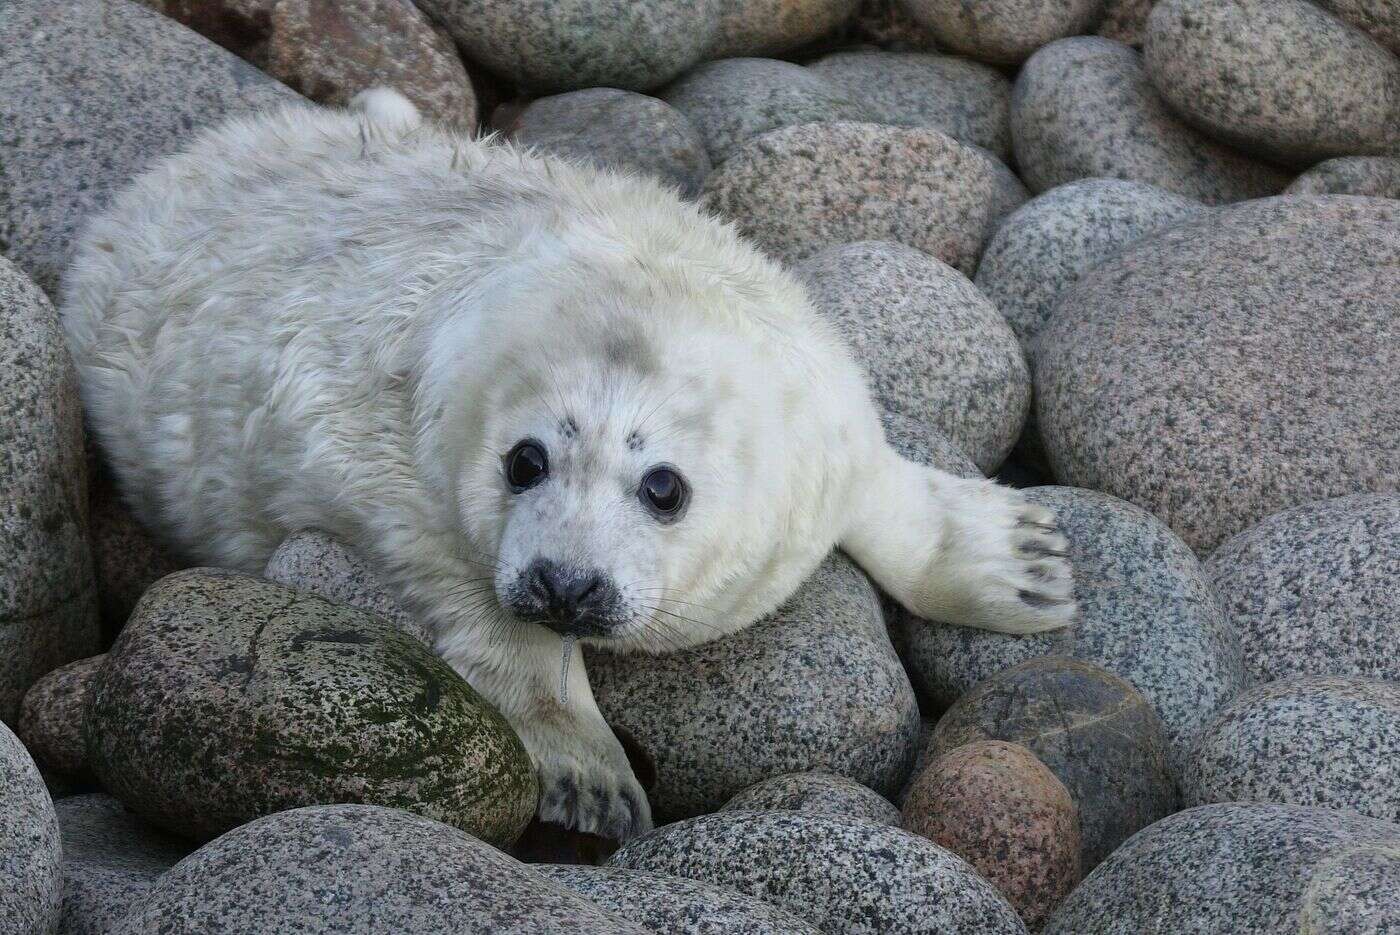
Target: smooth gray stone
[31,855]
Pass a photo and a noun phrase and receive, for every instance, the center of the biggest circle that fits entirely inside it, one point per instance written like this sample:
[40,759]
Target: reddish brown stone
[999,808]
[51,717]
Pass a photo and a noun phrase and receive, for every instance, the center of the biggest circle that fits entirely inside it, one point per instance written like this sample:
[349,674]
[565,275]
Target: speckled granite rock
[814,686]
[1092,729]
[52,715]
[1152,376]
[48,603]
[1311,590]
[30,853]
[1326,740]
[817,794]
[228,697]
[799,189]
[1004,32]
[617,130]
[563,45]
[330,50]
[1000,809]
[126,557]
[1374,17]
[1147,613]
[90,92]
[935,349]
[1279,78]
[111,858]
[1051,240]
[1377,176]
[734,100]
[968,101]
[848,877]
[1246,870]
[359,870]
[914,440]
[1125,20]
[886,24]
[674,905]
[1083,107]
[311,560]
[768,27]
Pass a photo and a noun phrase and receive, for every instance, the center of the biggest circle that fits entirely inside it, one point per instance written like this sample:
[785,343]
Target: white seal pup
[544,400]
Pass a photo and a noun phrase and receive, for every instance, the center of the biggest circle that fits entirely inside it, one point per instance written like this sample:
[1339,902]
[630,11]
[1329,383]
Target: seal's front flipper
[967,552]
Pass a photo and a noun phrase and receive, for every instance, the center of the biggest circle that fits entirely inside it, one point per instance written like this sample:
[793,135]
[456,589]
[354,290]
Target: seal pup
[546,401]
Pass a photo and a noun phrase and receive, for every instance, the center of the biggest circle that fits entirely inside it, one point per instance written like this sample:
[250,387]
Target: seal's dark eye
[526,465]
[664,491]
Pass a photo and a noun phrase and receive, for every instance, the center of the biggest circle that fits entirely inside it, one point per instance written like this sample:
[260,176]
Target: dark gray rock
[1092,729]
[1247,870]
[1311,590]
[1325,740]
[935,349]
[1004,32]
[359,870]
[616,130]
[799,189]
[91,92]
[48,602]
[846,876]
[1083,108]
[734,100]
[1378,176]
[968,101]
[111,859]
[30,852]
[814,686]
[768,27]
[1232,366]
[674,905]
[52,716]
[546,46]
[817,794]
[1282,79]
[1147,613]
[311,560]
[228,697]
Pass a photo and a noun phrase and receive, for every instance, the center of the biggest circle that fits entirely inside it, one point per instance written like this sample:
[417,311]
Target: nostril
[541,583]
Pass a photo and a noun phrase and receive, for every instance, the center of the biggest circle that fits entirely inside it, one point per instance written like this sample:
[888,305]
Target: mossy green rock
[228,697]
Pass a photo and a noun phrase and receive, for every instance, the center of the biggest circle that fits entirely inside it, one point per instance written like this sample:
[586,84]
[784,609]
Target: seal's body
[544,400]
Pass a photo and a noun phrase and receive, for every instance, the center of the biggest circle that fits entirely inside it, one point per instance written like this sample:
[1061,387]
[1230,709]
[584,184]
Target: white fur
[344,319]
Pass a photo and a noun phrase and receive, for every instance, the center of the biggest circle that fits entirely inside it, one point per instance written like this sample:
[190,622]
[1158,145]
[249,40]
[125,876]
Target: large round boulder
[228,697]
[48,602]
[1311,590]
[91,91]
[1083,107]
[847,876]
[1245,869]
[799,189]
[31,854]
[1283,79]
[1232,366]
[935,349]
[814,686]
[359,870]
[1326,740]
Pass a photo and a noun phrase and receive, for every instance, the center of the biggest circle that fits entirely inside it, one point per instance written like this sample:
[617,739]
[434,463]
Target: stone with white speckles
[1311,590]
[1326,740]
[847,876]
[818,794]
[816,685]
[935,349]
[227,697]
[360,870]
[1245,869]
[30,851]
[674,905]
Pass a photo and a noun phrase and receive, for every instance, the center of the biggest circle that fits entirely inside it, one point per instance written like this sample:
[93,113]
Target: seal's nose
[575,600]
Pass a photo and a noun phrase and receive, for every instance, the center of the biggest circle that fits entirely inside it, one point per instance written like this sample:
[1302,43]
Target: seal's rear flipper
[967,552]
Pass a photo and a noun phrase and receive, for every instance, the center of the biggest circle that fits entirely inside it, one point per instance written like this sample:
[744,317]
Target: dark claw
[1035,599]
[1023,523]
[1036,550]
